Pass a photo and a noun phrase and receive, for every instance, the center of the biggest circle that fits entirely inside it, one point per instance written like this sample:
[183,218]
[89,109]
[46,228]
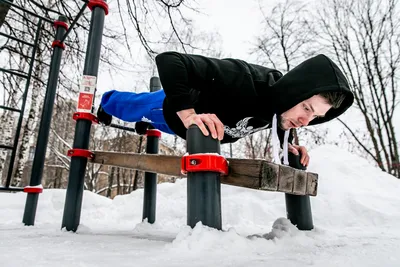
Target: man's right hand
[189,117]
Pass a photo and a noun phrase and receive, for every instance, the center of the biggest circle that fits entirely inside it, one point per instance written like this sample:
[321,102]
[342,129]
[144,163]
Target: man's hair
[335,99]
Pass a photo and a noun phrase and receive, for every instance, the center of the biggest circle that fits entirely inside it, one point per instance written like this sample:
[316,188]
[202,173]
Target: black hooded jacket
[243,96]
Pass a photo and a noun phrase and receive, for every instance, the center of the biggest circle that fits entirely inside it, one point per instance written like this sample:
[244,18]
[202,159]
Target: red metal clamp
[153,132]
[204,163]
[58,44]
[33,189]
[59,23]
[85,116]
[77,152]
[98,3]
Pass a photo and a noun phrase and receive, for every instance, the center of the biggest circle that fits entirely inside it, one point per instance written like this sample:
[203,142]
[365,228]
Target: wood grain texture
[255,174]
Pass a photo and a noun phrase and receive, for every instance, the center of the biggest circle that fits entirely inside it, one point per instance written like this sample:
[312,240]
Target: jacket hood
[313,76]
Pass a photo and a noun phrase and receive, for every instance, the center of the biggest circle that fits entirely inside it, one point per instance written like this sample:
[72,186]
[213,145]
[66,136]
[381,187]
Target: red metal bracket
[85,116]
[59,23]
[32,189]
[153,132]
[100,3]
[77,152]
[203,163]
[58,44]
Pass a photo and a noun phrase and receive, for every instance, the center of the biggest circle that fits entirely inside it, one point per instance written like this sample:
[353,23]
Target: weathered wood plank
[255,174]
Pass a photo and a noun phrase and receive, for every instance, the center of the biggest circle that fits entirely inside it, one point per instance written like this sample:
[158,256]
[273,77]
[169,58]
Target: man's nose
[304,121]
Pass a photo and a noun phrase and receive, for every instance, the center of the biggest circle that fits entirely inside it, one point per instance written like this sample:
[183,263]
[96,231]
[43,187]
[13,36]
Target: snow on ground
[356,216]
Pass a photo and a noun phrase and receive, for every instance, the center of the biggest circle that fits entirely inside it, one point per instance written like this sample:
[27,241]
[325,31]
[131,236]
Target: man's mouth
[293,125]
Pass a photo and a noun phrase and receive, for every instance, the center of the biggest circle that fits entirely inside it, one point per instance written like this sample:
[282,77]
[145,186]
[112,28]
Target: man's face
[304,112]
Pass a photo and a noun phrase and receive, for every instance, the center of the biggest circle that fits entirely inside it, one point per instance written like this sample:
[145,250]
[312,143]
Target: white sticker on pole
[86,94]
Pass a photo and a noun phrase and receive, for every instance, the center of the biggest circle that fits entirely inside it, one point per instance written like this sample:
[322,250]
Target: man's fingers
[202,126]
[214,125]
[219,126]
[208,123]
[211,126]
[305,158]
[293,150]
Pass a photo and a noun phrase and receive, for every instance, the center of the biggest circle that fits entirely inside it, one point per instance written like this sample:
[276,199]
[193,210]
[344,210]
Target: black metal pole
[155,84]
[44,128]
[150,179]
[73,200]
[203,188]
[298,208]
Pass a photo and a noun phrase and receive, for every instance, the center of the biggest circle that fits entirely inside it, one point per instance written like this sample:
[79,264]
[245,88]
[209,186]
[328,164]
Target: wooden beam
[254,174]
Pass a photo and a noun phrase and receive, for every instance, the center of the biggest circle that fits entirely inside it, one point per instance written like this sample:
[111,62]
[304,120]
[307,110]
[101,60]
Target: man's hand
[189,117]
[305,158]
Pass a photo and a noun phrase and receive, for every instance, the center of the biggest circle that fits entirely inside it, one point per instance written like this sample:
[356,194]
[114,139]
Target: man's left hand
[295,149]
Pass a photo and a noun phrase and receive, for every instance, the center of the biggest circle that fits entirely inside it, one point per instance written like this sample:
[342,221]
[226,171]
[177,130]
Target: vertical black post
[44,128]
[150,179]
[203,188]
[298,208]
[73,200]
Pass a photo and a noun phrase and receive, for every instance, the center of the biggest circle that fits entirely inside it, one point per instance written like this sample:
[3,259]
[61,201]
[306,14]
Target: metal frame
[58,46]
[21,111]
[59,40]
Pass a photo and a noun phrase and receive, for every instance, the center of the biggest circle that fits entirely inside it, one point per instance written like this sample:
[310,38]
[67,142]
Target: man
[234,98]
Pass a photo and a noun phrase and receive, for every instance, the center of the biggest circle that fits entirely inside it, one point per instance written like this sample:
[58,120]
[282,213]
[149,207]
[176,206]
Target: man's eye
[305,107]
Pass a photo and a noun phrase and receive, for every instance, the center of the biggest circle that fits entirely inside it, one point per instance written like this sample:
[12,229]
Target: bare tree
[257,146]
[22,25]
[17,56]
[148,18]
[287,39]
[164,18]
[364,37]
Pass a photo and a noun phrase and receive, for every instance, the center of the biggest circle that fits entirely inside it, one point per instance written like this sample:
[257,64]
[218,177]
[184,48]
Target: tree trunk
[118,181]
[139,149]
[30,124]
[7,122]
[130,181]
[110,182]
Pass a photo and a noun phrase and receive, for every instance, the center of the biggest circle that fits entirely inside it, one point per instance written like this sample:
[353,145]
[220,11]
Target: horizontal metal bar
[14,72]
[12,189]
[27,11]
[11,109]
[112,125]
[15,38]
[6,147]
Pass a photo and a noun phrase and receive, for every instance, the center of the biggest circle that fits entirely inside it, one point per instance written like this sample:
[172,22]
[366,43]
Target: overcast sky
[237,21]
